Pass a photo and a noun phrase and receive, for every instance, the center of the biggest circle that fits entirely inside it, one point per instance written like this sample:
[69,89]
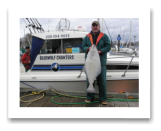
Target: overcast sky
[113,24]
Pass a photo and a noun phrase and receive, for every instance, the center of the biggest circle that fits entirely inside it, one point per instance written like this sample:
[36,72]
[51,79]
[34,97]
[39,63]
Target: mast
[120,35]
[114,33]
[48,25]
[134,40]
[98,19]
[130,32]
[123,37]
[102,25]
[65,23]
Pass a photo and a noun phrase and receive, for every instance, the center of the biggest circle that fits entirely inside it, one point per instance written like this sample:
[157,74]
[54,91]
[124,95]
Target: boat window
[121,67]
[72,45]
[51,47]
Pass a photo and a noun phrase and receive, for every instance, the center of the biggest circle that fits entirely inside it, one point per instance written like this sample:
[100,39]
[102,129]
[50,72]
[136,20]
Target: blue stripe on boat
[41,68]
[64,67]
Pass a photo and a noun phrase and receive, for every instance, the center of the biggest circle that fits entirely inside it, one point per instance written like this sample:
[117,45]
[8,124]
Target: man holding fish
[96,45]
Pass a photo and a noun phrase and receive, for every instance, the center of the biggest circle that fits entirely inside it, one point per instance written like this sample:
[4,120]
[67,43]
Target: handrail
[127,67]
[110,76]
[80,73]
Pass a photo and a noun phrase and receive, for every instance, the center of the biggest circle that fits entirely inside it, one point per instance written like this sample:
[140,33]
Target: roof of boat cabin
[64,34]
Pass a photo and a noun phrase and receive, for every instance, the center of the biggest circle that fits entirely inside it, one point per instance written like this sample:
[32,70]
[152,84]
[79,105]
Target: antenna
[49,24]
[27,26]
[39,25]
[33,26]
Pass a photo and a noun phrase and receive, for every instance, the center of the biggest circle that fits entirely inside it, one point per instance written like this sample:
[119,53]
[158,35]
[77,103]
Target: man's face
[27,50]
[95,28]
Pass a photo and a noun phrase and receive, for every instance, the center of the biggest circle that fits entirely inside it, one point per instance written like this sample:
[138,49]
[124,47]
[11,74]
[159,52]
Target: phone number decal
[58,36]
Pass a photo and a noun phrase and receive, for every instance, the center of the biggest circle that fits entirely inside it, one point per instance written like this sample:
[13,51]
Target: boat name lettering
[58,57]
[47,57]
[57,36]
[62,57]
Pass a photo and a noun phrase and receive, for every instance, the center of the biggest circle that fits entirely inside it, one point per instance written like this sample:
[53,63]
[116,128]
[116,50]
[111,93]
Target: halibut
[92,67]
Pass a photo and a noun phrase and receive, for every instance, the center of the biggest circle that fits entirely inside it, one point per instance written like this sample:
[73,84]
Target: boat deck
[46,102]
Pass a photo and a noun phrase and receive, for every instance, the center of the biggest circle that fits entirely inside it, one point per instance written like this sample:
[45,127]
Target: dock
[46,101]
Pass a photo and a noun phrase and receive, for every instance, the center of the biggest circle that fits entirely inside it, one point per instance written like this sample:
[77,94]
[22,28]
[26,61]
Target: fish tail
[91,89]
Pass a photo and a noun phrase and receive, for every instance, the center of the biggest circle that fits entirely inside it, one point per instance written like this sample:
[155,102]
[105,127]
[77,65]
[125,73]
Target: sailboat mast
[102,25]
[130,32]
[120,35]
[98,20]
[123,37]
[114,33]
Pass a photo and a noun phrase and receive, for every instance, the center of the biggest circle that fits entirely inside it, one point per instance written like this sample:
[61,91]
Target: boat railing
[61,30]
[127,67]
[113,58]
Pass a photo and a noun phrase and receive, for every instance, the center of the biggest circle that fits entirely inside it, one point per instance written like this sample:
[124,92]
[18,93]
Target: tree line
[25,41]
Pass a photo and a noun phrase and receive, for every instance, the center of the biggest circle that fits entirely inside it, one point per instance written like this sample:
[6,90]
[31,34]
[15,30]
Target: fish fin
[90,89]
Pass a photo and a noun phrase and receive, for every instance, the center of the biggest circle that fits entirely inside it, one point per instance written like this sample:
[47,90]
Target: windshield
[62,46]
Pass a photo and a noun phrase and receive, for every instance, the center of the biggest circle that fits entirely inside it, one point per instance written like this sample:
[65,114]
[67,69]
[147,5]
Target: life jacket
[98,38]
[25,59]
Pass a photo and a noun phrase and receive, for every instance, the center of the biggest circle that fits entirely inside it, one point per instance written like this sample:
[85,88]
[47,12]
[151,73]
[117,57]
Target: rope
[60,94]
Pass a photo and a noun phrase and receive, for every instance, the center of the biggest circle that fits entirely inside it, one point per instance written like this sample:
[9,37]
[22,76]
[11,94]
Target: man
[26,59]
[102,42]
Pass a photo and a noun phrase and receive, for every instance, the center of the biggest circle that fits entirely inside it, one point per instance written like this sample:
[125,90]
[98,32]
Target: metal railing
[113,58]
[127,67]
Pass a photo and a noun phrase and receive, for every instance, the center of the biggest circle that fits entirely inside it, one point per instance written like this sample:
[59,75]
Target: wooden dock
[46,102]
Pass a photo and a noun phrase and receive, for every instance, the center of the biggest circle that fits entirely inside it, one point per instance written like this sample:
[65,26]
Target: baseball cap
[95,22]
[27,47]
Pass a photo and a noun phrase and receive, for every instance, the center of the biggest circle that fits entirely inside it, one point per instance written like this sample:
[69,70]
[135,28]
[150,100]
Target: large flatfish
[92,67]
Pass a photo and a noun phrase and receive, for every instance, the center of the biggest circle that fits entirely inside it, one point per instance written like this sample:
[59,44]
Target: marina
[57,62]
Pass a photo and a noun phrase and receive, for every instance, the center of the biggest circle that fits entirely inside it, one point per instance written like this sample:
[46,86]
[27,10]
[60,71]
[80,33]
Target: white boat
[60,60]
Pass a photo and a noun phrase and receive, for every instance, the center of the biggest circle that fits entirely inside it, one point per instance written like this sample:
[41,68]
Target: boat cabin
[64,49]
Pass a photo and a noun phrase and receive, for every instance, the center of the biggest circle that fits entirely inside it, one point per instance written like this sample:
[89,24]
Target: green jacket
[103,45]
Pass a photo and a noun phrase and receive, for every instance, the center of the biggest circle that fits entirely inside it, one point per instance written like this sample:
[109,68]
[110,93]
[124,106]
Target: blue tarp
[36,46]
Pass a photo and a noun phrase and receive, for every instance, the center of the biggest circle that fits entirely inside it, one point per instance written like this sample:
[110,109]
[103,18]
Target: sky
[115,26]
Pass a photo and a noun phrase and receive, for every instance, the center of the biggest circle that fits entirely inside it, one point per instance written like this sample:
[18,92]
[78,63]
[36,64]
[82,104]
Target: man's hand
[29,61]
[90,47]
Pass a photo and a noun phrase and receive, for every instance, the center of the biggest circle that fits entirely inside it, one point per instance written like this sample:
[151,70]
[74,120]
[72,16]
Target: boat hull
[70,82]
[113,86]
